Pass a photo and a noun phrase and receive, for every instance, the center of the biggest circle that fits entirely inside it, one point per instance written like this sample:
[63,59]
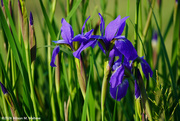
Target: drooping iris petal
[102,25]
[83,46]
[84,25]
[126,48]
[66,31]
[122,25]
[122,90]
[112,28]
[101,47]
[146,68]
[55,52]
[117,77]
[137,90]
[3,88]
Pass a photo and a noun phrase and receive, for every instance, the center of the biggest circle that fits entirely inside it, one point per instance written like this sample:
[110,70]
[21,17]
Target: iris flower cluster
[112,44]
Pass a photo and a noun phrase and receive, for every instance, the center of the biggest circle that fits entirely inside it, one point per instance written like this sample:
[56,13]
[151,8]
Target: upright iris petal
[55,52]
[112,28]
[122,25]
[126,48]
[102,25]
[122,90]
[146,68]
[66,31]
[82,31]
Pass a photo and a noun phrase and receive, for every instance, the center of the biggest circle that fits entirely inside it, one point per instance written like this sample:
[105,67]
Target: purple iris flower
[113,31]
[118,79]
[3,88]
[67,34]
[130,53]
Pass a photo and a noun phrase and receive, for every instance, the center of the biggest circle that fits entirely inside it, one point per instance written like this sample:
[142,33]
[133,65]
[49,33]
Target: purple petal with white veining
[122,90]
[137,90]
[127,49]
[66,31]
[120,37]
[122,25]
[117,77]
[146,68]
[112,28]
[83,46]
[102,25]
[55,52]
[3,88]
[84,25]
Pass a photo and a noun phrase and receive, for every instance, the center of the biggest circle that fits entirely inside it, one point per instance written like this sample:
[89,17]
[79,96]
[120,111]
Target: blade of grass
[173,82]
[15,53]
[51,31]
[73,10]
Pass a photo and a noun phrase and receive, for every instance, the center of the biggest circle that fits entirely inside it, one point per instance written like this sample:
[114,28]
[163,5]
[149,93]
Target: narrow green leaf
[73,10]
[51,31]
[173,82]
[85,106]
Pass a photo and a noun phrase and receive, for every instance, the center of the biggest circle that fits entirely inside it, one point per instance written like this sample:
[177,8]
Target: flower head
[113,31]
[67,34]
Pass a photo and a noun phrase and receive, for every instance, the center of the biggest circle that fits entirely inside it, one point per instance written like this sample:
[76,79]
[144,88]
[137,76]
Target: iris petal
[146,68]
[80,38]
[137,90]
[112,28]
[102,25]
[117,77]
[88,34]
[55,52]
[127,49]
[84,25]
[83,46]
[122,25]
[122,90]
[66,31]
[3,88]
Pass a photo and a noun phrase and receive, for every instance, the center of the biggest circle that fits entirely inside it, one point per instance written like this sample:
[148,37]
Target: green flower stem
[31,81]
[107,70]
[81,80]
[136,25]
[11,104]
[51,82]
[57,81]
[13,70]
